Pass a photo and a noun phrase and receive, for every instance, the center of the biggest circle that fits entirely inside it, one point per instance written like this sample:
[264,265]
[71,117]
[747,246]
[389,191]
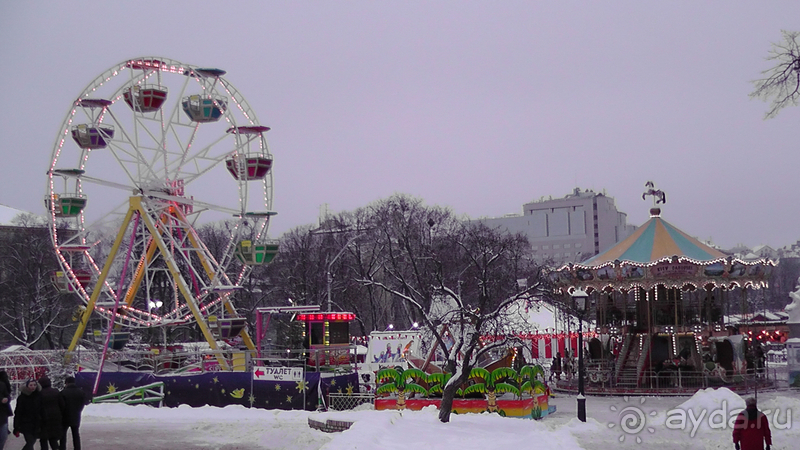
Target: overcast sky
[479,106]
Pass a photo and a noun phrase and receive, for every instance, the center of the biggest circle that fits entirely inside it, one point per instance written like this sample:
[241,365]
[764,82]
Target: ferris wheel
[148,148]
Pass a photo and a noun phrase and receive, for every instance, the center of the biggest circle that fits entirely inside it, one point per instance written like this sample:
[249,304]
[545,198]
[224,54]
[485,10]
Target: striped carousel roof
[654,241]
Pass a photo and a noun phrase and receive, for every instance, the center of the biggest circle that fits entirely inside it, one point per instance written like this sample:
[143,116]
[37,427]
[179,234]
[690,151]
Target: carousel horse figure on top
[658,195]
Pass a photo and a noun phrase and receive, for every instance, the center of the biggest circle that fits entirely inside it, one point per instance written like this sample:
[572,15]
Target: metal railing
[600,376]
[160,361]
[342,402]
[151,393]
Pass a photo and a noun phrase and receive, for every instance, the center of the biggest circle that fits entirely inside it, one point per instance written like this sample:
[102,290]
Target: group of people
[559,364]
[42,413]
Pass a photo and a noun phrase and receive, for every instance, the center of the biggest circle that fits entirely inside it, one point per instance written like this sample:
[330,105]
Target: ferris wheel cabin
[249,166]
[145,99]
[92,137]
[61,280]
[66,205]
[226,327]
[204,109]
[116,340]
[253,254]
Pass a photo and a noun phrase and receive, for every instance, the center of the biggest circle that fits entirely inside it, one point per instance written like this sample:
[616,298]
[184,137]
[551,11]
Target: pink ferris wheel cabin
[145,99]
[253,166]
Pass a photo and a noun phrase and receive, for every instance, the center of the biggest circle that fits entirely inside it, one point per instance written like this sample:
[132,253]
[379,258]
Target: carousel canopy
[654,241]
[659,254]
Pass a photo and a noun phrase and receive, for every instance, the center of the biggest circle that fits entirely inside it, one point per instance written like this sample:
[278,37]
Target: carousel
[658,302]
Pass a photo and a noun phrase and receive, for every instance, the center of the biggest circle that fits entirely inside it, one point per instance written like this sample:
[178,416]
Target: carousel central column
[579,297]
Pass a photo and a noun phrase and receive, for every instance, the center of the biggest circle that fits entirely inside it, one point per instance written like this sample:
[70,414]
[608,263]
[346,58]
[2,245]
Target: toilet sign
[278,373]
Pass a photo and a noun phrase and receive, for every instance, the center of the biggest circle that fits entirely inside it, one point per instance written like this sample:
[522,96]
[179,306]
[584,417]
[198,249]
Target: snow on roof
[7,213]
[769,317]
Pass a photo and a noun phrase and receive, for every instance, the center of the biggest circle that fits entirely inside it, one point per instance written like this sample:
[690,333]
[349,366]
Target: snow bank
[606,427]
[231,413]
[422,429]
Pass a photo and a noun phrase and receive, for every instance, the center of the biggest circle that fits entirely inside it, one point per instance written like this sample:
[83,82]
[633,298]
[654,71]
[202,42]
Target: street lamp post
[330,264]
[579,296]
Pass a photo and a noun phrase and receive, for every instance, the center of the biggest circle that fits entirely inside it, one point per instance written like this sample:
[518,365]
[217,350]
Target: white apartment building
[569,229]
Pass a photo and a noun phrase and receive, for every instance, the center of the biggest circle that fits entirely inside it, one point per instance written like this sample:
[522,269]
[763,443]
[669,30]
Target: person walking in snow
[75,399]
[5,407]
[751,429]
[53,406]
[28,413]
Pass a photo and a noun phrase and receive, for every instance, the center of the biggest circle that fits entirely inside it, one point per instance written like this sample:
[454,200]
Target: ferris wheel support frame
[159,243]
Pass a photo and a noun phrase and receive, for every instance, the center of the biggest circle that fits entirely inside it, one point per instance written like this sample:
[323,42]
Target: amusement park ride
[151,149]
[658,300]
[138,160]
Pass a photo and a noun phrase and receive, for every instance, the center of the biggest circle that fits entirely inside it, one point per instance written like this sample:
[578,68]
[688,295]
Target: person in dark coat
[75,398]
[28,413]
[5,407]
[751,429]
[555,367]
[53,406]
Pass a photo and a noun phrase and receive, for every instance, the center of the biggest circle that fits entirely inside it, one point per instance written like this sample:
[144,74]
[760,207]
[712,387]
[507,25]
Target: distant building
[569,229]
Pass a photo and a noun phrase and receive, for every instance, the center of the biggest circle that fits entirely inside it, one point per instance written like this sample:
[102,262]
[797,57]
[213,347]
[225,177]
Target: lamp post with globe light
[579,297]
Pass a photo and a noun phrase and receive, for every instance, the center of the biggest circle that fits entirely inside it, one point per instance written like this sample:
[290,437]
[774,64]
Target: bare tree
[31,309]
[456,277]
[781,83]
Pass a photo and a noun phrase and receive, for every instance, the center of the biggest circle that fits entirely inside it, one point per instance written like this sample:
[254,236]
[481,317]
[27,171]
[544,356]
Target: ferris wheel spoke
[134,151]
[195,158]
[107,183]
[180,157]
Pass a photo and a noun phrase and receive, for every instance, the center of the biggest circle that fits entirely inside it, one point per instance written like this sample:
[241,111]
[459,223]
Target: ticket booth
[327,337]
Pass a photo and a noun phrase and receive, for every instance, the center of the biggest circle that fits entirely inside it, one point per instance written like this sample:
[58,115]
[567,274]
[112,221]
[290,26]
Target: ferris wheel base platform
[228,388]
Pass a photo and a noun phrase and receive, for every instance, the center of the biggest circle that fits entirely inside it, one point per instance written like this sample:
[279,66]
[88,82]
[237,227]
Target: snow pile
[712,399]
[422,429]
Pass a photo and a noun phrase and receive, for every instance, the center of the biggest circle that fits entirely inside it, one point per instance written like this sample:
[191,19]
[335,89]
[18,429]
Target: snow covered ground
[655,421]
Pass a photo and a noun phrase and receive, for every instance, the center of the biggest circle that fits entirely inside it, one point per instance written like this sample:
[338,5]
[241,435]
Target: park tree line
[388,262]
[401,262]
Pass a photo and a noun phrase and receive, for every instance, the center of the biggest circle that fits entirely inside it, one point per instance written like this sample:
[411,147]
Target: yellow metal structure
[157,246]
